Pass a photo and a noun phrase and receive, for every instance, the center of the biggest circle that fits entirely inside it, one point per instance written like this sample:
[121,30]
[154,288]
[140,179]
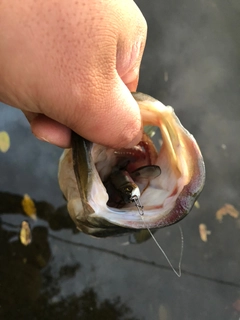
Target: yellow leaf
[204,232]
[227,209]
[25,234]
[197,204]
[4,141]
[29,207]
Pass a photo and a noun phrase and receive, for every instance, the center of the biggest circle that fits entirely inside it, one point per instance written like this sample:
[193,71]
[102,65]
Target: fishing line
[139,206]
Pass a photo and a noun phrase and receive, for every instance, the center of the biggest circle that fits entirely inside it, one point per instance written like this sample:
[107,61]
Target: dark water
[192,62]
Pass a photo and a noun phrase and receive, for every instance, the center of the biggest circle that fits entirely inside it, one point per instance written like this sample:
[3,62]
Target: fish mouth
[166,198]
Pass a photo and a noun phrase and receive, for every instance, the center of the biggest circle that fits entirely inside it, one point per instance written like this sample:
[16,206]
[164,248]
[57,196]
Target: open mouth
[166,182]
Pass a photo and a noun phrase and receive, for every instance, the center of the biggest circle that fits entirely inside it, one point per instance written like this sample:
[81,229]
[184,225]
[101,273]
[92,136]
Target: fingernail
[42,138]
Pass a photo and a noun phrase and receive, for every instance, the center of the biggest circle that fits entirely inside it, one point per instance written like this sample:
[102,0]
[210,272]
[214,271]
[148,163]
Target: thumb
[112,116]
[112,119]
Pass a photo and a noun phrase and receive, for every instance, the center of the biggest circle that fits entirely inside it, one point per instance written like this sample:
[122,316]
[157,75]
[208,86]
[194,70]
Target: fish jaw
[168,197]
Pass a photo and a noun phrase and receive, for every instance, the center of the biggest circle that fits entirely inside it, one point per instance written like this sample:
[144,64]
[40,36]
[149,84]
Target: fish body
[166,197]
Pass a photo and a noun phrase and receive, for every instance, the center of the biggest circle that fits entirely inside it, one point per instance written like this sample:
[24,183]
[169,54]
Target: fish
[110,191]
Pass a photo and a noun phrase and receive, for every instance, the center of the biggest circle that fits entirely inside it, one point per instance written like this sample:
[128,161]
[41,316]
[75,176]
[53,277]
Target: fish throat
[131,175]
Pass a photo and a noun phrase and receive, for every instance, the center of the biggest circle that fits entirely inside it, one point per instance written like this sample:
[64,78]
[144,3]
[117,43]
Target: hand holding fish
[70,65]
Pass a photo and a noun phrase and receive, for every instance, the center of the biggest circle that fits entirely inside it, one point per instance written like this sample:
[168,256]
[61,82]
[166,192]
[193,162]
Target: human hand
[69,65]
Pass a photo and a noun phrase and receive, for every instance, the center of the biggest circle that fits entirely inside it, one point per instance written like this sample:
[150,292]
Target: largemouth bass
[167,182]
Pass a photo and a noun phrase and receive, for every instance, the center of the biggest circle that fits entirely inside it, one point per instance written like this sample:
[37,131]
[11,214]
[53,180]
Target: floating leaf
[29,207]
[227,209]
[197,204]
[25,234]
[204,232]
[4,141]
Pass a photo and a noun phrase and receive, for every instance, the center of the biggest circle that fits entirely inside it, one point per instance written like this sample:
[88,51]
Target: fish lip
[191,169]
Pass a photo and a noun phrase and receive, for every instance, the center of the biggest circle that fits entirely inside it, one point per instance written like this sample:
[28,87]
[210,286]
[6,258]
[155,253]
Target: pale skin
[70,65]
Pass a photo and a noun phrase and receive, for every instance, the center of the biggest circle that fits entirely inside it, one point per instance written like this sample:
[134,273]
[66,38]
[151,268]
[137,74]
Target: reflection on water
[57,218]
[33,279]
[31,286]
